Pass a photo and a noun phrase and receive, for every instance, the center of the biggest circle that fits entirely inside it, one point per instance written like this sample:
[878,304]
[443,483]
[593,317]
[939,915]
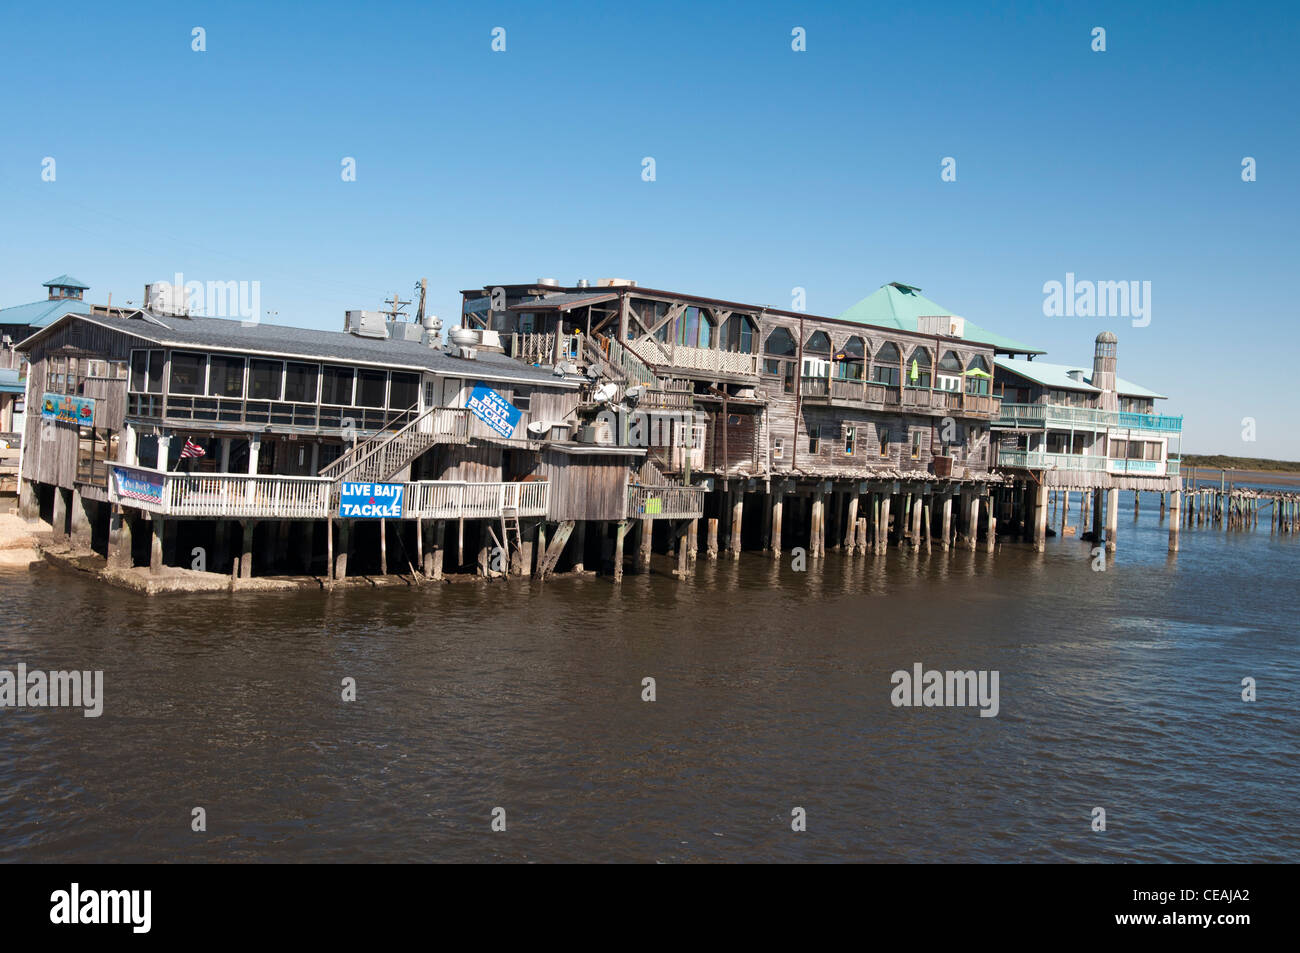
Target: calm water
[1119,689]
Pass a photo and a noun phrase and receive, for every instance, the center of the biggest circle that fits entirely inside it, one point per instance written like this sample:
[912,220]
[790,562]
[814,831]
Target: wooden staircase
[386,452]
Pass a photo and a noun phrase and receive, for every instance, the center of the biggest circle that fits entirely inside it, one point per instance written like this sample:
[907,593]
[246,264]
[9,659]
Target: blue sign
[371,501]
[136,486]
[494,410]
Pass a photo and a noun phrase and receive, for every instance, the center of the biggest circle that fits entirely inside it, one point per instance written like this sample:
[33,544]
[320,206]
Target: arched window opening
[885,368]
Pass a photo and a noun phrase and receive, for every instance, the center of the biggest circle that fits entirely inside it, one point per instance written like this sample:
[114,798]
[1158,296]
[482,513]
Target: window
[403,391]
[300,382]
[814,440]
[737,334]
[885,370]
[917,371]
[336,385]
[523,398]
[780,343]
[819,343]
[188,371]
[778,448]
[850,440]
[694,328]
[883,433]
[371,385]
[265,379]
[226,376]
[917,438]
[850,360]
[652,315]
[1118,449]
[978,377]
[780,350]
[147,372]
[950,363]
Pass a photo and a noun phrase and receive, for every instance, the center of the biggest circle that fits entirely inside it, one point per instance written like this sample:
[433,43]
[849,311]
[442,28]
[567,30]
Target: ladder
[511,536]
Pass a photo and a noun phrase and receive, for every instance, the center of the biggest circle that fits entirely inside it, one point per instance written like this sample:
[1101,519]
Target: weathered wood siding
[586,487]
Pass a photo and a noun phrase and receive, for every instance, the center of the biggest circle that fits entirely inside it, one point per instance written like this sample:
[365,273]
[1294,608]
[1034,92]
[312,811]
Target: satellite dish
[634,394]
[605,393]
[539,427]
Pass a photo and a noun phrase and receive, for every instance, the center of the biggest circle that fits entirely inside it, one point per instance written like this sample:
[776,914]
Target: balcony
[856,393]
[1041,460]
[1150,422]
[1083,463]
[1062,417]
[664,502]
[238,412]
[256,496]
[681,357]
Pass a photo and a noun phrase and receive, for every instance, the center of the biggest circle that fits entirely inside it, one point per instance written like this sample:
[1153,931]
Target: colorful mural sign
[130,485]
[494,410]
[67,409]
[371,501]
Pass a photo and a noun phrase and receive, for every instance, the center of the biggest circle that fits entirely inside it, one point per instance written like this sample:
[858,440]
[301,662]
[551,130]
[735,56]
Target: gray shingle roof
[316,345]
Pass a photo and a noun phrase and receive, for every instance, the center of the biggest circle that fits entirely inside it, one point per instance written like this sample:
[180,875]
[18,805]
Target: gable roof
[900,306]
[1057,377]
[224,334]
[66,281]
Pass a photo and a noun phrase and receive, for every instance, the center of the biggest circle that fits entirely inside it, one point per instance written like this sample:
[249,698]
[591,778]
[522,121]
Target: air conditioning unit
[366,324]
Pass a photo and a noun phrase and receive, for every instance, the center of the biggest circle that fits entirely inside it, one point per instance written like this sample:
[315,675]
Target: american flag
[192,449]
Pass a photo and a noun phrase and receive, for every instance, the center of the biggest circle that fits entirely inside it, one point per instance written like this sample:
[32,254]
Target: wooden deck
[241,496]
[664,502]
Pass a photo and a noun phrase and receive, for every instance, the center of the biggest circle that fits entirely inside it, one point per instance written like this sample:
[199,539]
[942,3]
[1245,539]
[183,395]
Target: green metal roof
[897,305]
[66,281]
[38,314]
[1057,377]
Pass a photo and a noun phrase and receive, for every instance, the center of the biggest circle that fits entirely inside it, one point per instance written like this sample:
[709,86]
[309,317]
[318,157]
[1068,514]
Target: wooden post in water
[1040,518]
[778,507]
[712,550]
[620,531]
[329,551]
[882,529]
[119,538]
[246,545]
[1112,518]
[945,541]
[925,525]
[851,525]
[1175,502]
[345,546]
[155,543]
[737,520]
[973,523]
[644,544]
[991,541]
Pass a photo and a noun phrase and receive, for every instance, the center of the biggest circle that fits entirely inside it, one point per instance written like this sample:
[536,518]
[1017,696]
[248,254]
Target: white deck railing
[255,496]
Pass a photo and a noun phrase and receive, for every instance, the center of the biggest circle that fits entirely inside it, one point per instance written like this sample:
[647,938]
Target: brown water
[1118,689]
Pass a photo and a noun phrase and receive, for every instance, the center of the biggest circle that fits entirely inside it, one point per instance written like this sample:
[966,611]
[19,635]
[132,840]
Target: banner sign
[67,409]
[494,410]
[136,486]
[371,501]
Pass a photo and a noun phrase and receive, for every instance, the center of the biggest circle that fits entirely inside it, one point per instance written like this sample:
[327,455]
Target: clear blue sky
[775,169]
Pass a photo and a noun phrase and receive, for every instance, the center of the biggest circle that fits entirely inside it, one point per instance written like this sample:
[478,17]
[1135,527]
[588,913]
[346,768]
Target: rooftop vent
[549,282]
